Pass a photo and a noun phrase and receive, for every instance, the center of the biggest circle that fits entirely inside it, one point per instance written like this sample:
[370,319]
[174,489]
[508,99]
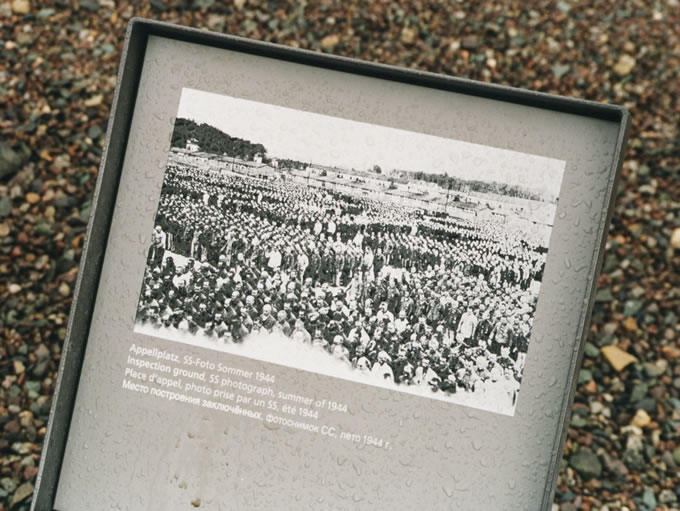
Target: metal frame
[110,170]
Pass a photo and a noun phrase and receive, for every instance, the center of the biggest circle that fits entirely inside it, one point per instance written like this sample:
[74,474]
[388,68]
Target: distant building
[250,168]
[192,145]
[221,163]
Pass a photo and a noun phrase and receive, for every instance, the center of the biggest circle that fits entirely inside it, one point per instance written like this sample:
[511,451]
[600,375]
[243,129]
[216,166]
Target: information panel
[323,290]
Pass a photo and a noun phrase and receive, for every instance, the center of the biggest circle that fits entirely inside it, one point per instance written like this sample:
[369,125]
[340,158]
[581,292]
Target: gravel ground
[57,74]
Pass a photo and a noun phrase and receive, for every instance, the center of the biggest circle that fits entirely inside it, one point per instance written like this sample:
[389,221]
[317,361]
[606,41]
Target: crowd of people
[388,290]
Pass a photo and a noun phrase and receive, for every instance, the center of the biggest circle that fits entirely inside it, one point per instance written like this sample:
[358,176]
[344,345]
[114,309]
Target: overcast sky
[326,140]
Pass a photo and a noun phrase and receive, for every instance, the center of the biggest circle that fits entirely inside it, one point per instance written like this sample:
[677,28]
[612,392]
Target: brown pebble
[330,41]
[630,324]
[617,357]
[21,6]
[30,473]
[32,198]
[590,387]
[12,427]
[64,289]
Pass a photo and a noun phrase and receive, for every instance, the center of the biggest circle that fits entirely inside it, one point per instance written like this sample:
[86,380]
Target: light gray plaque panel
[130,452]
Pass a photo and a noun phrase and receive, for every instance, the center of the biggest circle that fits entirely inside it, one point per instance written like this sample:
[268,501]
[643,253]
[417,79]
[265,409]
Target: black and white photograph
[378,255]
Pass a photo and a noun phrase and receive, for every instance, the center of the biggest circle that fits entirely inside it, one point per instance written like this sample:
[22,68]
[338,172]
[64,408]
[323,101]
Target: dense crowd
[388,290]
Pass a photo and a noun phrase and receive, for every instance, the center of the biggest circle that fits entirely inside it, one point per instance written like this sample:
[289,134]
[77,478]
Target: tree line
[475,185]
[212,140]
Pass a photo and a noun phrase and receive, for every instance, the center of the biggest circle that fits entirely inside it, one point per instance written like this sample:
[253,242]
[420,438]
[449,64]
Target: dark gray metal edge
[92,257]
[505,93]
[587,308]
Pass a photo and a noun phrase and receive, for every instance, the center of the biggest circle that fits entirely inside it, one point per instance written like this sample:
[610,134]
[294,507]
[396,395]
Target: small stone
[584,376]
[676,455]
[586,464]
[42,352]
[630,324]
[94,100]
[95,131]
[41,367]
[30,473]
[10,160]
[4,230]
[641,419]
[32,198]
[675,238]
[21,6]
[559,70]
[591,351]
[196,502]
[33,389]
[632,307]
[26,418]
[19,367]
[44,404]
[671,352]
[563,6]
[656,369]
[624,65]
[5,206]
[330,41]
[590,387]
[45,13]
[239,4]
[21,447]
[648,404]
[22,493]
[667,497]
[64,289]
[604,295]
[618,358]
[216,21]
[470,42]
[648,498]
[639,392]
[577,421]
[408,35]
[596,407]
[634,442]
[62,161]
[614,465]
[8,484]
[90,5]
[12,427]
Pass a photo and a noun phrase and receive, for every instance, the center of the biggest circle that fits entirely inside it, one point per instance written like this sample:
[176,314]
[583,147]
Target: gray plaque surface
[130,452]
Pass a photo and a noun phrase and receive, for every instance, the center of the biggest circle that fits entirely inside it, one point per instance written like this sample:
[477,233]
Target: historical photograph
[378,255]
